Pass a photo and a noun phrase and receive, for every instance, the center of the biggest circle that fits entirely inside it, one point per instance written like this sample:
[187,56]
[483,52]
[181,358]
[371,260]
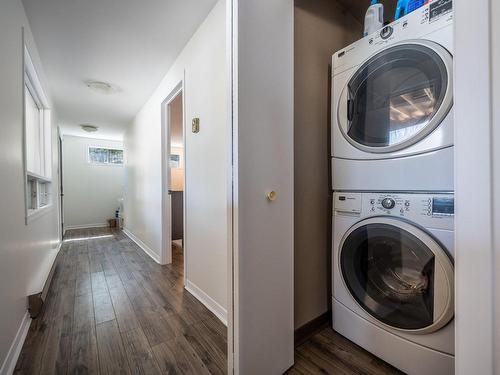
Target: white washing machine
[393,277]
[392,98]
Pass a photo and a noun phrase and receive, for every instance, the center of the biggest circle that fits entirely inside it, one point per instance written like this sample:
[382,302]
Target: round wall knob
[271,195]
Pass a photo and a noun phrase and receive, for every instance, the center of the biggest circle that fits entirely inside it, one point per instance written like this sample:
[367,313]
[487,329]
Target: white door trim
[477,186]
[232,185]
[166,246]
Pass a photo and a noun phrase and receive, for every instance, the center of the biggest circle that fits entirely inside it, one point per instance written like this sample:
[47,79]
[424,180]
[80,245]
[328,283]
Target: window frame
[106,148]
[33,181]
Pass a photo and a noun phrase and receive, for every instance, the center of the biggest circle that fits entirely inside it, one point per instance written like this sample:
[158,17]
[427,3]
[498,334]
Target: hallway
[111,309]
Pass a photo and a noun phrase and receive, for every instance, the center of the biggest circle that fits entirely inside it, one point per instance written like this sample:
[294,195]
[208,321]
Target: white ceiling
[128,43]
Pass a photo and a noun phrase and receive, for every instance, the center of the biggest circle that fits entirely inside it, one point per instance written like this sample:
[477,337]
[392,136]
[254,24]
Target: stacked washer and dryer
[392,175]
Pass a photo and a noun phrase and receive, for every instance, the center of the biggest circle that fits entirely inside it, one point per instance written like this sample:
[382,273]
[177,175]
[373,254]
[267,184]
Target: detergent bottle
[374,18]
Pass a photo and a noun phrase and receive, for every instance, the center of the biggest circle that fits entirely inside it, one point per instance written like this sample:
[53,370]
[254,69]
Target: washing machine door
[397,97]
[398,274]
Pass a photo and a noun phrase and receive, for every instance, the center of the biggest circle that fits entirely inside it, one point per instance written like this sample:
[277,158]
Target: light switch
[195,125]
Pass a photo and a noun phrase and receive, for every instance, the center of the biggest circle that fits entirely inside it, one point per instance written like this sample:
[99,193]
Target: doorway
[174,182]
[61,186]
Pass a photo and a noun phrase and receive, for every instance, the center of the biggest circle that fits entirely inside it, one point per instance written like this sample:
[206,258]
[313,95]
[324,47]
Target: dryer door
[397,97]
[398,274]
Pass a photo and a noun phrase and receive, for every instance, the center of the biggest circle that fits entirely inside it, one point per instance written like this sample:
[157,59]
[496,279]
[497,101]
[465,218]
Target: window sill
[38,177]
[105,164]
[35,214]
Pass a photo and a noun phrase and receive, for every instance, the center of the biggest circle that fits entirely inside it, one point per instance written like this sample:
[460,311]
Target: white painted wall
[91,191]
[203,62]
[26,252]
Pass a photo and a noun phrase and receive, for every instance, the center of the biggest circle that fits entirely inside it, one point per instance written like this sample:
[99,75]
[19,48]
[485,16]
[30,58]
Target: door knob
[271,195]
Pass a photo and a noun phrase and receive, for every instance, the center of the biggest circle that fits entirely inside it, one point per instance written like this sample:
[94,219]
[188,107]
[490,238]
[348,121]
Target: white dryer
[393,277]
[392,98]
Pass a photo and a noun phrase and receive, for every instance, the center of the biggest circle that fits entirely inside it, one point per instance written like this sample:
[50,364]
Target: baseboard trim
[10,361]
[85,226]
[142,245]
[208,301]
[36,300]
[305,332]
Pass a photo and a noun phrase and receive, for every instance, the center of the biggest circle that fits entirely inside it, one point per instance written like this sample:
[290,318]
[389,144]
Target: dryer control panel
[421,23]
[430,210]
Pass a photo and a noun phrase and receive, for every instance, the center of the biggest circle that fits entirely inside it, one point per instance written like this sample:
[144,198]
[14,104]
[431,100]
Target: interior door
[398,274]
[263,137]
[397,97]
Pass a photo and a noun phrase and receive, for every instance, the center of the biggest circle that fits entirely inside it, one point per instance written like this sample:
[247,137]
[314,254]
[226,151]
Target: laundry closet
[374,183]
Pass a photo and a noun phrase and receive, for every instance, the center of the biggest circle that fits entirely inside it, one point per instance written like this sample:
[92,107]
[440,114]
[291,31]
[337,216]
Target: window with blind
[38,144]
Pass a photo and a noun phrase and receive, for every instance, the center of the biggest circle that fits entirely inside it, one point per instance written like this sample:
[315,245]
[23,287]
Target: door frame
[166,253]
[477,176]
[60,188]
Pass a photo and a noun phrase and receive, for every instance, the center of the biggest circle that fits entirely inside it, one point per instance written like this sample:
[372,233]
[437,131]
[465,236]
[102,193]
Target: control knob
[388,203]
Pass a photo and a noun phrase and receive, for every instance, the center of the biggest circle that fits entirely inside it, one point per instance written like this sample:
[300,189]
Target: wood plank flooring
[113,310]
[327,352]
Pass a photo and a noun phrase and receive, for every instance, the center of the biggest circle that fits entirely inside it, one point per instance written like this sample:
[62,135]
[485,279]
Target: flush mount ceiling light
[89,128]
[102,87]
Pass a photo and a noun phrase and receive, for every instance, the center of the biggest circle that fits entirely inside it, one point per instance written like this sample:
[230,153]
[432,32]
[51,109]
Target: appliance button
[372,201]
[388,203]
[386,32]
[407,203]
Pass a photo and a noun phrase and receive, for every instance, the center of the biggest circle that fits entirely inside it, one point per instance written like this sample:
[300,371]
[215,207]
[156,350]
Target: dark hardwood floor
[113,310]
[327,352]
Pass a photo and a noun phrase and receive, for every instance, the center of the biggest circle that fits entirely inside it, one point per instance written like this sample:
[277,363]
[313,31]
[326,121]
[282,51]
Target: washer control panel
[428,209]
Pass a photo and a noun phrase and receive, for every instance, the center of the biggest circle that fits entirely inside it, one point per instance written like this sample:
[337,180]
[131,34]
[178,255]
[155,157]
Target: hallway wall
[203,64]
[321,28]
[27,252]
[91,191]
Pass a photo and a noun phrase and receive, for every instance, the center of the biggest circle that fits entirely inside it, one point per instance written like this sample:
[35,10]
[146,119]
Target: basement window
[105,155]
[37,143]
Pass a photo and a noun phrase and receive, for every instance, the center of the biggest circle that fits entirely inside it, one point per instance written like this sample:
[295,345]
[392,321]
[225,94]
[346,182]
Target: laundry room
[374,183]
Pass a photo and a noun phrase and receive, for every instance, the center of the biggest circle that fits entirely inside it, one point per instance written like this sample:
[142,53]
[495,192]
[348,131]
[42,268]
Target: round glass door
[397,97]
[392,274]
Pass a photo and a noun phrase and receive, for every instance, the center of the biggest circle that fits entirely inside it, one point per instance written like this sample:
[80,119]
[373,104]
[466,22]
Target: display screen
[440,7]
[443,206]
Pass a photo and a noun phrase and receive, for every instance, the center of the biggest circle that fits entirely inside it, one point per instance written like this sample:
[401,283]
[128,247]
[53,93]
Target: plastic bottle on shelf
[374,18]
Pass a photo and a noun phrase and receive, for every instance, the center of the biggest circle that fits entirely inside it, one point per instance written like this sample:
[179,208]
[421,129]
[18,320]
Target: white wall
[91,191]
[26,252]
[203,61]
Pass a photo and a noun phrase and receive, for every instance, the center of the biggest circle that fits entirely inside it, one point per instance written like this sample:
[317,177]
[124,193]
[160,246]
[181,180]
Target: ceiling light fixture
[89,128]
[102,87]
